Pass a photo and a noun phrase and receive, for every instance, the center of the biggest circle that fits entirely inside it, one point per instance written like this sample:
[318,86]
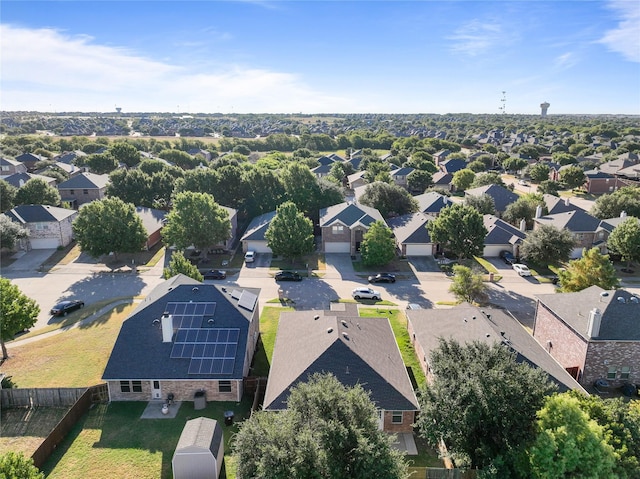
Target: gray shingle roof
[502,197]
[466,323]
[85,180]
[39,214]
[349,214]
[356,350]
[620,319]
[258,227]
[152,219]
[432,202]
[555,204]
[451,166]
[576,221]
[411,228]
[19,179]
[200,434]
[500,232]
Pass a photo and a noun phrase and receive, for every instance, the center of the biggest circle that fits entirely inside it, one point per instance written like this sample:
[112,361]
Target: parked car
[382,278]
[249,256]
[508,257]
[215,274]
[365,293]
[287,276]
[521,269]
[523,183]
[65,307]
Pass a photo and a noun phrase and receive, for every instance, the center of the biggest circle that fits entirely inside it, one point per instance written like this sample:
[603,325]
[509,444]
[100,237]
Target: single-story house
[185,337]
[432,202]
[253,238]
[20,179]
[502,197]
[357,179]
[344,225]
[584,227]
[501,236]
[411,235]
[49,226]
[84,188]
[348,346]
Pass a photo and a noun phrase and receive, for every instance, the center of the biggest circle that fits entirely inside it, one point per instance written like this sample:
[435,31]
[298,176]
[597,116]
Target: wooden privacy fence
[35,397]
[442,473]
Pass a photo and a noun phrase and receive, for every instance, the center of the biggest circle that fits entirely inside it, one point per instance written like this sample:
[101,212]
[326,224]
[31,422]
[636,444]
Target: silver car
[365,293]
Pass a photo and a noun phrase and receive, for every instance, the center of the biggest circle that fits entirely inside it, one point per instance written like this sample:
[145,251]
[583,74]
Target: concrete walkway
[154,410]
[405,443]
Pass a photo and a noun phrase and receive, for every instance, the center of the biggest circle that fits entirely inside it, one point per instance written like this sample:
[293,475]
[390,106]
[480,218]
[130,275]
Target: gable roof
[466,323]
[432,202]
[577,221]
[152,219]
[326,161]
[199,435]
[502,197]
[558,205]
[411,228]
[19,179]
[321,169]
[620,317]
[500,232]
[442,178]
[451,166]
[611,223]
[349,214]
[9,162]
[39,214]
[139,351]
[258,227]
[403,171]
[356,350]
[84,181]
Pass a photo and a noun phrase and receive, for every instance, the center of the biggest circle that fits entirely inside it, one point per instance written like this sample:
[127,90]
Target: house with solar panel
[186,337]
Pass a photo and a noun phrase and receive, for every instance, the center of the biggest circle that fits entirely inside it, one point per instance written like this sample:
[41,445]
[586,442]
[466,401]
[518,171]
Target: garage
[493,251]
[338,247]
[257,246]
[44,243]
[419,249]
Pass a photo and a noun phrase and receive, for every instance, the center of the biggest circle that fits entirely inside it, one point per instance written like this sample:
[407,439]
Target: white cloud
[476,37]
[566,60]
[48,70]
[625,38]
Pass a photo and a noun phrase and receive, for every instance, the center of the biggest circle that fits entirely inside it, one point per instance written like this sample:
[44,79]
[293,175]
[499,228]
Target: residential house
[84,188]
[69,157]
[30,159]
[609,224]
[502,197]
[344,225]
[442,179]
[349,347]
[49,226]
[153,221]
[10,167]
[399,176]
[204,154]
[18,180]
[432,202]
[555,205]
[411,234]
[594,334]
[253,238]
[326,161]
[466,323]
[183,338]
[357,179]
[598,182]
[584,227]
[451,166]
[501,236]
[630,173]
[321,171]
[440,156]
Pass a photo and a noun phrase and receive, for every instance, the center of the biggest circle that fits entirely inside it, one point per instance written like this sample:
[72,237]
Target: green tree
[564,158]
[477,166]
[538,172]
[131,186]
[266,191]
[181,265]
[524,208]
[625,199]
[37,192]
[16,466]
[482,402]
[592,269]
[109,225]
[101,163]
[419,180]
[7,196]
[572,176]
[488,178]
[378,246]
[196,219]
[569,443]
[549,187]
[462,179]
[467,286]
[290,233]
[625,240]
[124,152]
[514,164]
[300,186]
[11,232]
[483,203]
[179,158]
[17,312]
[459,229]
[328,431]
[548,245]
[528,151]
[389,200]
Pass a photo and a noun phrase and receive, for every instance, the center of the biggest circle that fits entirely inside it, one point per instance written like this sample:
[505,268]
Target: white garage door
[44,243]
[419,250]
[258,246]
[576,253]
[493,251]
[337,247]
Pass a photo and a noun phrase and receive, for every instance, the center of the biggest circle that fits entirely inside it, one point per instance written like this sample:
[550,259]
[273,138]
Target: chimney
[523,225]
[538,211]
[567,202]
[623,214]
[593,327]
[167,327]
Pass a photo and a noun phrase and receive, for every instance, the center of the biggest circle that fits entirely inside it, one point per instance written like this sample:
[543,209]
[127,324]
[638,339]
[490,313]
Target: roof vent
[634,299]
[210,320]
[155,321]
[195,289]
[344,323]
[316,317]
[329,330]
[473,317]
[620,299]
[346,335]
[488,335]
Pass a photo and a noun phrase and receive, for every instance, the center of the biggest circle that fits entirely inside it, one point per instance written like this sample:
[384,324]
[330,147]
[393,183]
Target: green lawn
[268,329]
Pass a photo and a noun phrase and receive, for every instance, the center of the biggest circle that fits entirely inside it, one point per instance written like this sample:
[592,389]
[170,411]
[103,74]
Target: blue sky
[320,56]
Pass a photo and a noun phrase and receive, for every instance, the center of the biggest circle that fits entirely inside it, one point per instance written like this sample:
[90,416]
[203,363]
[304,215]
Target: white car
[521,269]
[249,256]
[365,293]
[523,183]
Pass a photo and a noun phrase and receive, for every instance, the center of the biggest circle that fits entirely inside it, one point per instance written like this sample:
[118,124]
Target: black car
[508,257]
[383,278]
[215,274]
[65,307]
[287,276]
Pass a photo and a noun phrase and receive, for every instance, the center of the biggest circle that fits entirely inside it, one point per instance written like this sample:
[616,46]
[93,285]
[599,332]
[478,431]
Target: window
[72,192]
[624,372]
[612,372]
[125,387]
[396,417]
[337,229]
[579,236]
[224,386]
[42,226]
[131,386]
[136,386]
[85,192]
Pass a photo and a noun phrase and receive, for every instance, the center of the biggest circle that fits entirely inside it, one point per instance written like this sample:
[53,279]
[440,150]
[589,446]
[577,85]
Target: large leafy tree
[378,246]
[15,465]
[549,187]
[626,199]
[538,172]
[180,158]
[488,178]
[573,176]
[625,240]
[548,244]
[485,204]
[200,180]
[196,219]
[109,225]
[36,191]
[482,402]
[328,431]
[467,286]
[11,232]
[266,191]
[419,180]
[290,233]
[232,189]
[7,196]
[524,208]
[306,191]
[462,179]
[124,152]
[460,229]
[514,164]
[569,443]
[390,200]
[592,269]
[17,312]
[131,186]
[101,163]
[178,264]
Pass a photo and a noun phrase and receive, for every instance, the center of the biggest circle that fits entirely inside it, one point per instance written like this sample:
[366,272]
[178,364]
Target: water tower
[118,109]
[544,107]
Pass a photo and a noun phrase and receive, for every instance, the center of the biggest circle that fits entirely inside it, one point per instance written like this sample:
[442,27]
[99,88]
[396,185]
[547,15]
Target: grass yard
[24,429]
[112,442]
[396,266]
[268,329]
[315,261]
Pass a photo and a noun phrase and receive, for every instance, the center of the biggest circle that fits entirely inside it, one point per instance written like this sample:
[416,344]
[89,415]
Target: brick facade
[59,230]
[82,195]
[182,390]
[603,355]
[408,418]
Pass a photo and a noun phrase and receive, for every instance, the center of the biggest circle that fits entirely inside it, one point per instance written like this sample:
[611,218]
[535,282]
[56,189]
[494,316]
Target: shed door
[156,391]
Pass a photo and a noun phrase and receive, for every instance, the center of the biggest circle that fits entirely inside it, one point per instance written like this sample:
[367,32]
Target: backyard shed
[200,450]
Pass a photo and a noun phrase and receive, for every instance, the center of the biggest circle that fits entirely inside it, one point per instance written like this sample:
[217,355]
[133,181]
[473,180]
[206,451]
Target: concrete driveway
[29,260]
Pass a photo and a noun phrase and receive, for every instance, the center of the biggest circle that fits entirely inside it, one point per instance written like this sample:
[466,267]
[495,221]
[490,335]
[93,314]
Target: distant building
[544,107]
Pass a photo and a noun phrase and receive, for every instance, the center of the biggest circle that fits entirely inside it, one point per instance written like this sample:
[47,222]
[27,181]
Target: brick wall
[328,236]
[408,418]
[79,195]
[61,231]
[604,354]
[182,390]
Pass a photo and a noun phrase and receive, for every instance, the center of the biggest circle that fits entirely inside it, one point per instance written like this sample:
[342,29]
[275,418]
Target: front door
[380,419]
[156,392]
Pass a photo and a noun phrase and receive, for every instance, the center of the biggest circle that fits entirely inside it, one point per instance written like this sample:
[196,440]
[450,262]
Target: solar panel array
[190,315]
